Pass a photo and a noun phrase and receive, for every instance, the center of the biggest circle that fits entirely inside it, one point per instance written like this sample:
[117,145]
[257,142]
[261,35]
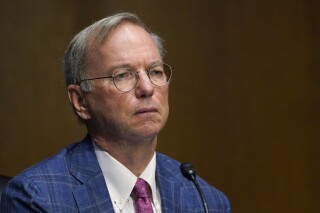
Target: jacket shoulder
[57,163]
[168,170]
[42,185]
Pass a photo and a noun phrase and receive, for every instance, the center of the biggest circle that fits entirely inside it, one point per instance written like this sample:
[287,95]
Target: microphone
[189,172]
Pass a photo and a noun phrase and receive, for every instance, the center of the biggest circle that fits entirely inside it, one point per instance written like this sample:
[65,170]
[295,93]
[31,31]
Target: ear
[76,97]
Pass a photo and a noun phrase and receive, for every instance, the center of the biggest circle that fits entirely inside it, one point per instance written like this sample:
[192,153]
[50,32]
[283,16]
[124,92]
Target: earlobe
[76,97]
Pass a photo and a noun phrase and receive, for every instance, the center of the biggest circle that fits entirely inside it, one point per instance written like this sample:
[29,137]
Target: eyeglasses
[125,79]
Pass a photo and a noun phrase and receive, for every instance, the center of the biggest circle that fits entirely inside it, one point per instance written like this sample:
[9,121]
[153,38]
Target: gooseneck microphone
[189,172]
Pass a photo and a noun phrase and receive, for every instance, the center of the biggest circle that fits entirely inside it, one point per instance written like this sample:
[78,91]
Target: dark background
[244,100]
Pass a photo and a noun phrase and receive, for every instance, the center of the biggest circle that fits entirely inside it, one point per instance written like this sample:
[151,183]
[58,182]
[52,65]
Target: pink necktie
[142,201]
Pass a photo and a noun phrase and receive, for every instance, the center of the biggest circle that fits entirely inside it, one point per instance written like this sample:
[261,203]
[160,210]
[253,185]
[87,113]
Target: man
[117,84]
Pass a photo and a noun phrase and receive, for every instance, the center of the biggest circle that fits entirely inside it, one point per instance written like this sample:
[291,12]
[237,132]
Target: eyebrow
[129,66]
[156,63]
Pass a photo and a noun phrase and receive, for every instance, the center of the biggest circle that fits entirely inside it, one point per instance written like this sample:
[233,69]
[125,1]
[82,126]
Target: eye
[122,76]
[157,73]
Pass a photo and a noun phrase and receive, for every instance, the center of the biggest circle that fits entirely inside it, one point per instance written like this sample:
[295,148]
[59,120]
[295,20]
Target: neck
[135,155]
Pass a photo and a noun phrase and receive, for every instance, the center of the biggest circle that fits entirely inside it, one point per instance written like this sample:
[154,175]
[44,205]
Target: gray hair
[74,62]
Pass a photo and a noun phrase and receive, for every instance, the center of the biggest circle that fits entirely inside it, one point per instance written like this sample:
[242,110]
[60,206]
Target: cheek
[164,100]
[165,95]
[118,107]
[100,103]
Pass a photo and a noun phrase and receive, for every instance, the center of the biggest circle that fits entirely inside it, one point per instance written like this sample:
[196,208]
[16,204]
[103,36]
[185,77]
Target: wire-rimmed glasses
[126,79]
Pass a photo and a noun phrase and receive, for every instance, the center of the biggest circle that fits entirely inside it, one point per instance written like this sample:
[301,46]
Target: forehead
[126,32]
[129,43]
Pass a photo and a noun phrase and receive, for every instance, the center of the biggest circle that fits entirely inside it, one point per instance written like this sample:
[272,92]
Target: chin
[148,130]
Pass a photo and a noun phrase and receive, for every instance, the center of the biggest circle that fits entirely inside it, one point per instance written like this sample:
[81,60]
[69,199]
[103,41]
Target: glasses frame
[136,74]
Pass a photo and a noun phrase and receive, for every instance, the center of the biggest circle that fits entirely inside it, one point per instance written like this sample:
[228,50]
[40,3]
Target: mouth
[146,111]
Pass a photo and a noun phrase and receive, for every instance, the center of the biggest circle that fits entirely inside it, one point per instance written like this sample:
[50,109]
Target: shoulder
[216,199]
[46,170]
[58,163]
[46,181]
[164,160]
[168,170]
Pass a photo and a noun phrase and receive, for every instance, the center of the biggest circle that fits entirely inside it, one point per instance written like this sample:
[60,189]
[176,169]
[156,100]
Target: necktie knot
[140,189]
[142,200]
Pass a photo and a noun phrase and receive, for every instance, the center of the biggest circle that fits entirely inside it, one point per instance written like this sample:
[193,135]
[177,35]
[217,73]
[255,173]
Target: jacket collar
[91,195]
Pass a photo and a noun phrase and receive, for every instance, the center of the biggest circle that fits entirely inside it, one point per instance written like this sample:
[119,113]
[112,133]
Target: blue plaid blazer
[72,181]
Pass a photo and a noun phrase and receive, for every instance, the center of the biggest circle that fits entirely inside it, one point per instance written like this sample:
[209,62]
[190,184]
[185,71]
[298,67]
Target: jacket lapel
[92,194]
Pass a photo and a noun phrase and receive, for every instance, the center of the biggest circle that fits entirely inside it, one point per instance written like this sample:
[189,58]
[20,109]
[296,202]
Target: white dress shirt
[120,182]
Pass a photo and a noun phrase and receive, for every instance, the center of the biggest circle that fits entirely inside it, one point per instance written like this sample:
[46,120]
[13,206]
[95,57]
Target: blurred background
[244,102]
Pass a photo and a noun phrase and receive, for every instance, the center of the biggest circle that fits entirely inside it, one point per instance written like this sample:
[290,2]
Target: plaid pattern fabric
[72,181]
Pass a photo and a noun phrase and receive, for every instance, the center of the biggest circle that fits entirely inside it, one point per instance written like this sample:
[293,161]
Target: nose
[144,88]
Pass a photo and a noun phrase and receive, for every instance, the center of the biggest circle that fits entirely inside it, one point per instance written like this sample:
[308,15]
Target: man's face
[139,114]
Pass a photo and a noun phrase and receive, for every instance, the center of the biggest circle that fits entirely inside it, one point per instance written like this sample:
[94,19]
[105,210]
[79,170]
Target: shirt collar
[119,179]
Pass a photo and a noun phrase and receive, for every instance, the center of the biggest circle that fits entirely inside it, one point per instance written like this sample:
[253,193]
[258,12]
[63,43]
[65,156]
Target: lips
[146,110]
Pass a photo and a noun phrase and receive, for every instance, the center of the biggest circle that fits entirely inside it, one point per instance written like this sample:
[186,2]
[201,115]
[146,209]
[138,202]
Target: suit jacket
[72,181]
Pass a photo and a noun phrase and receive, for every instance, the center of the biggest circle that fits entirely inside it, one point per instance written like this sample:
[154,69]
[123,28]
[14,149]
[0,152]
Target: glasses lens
[124,80]
[160,75]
